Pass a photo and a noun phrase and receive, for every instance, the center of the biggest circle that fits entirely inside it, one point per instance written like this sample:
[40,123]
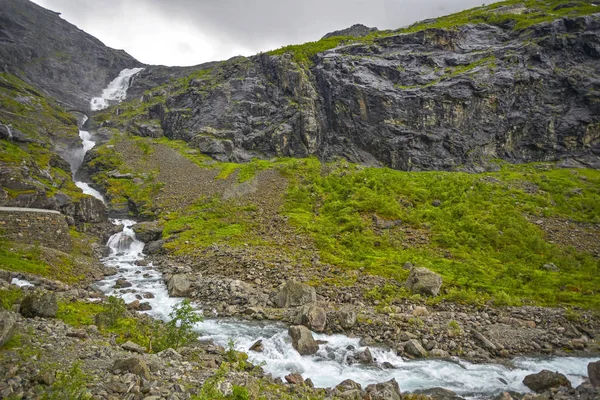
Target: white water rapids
[329,366]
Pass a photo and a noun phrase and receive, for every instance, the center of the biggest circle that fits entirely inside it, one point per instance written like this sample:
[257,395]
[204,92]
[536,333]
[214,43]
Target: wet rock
[39,304]
[414,348]
[145,306]
[134,365]
[312,316]
[594,373]
[110,271]
[257,346]
[389,390]
[365,357]
[294,294]
[545,380]
[294,379]
[133,347]
[8,323]
[424,281]
[122,284]
[302,340]
[179,285]
[148,231]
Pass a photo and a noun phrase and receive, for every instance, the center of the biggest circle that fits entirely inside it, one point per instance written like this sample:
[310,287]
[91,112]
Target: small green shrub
[179,331]
[70,384]
[454,328]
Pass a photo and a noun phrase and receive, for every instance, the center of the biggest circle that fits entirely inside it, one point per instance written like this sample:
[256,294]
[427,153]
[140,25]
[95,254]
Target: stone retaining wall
[35,226]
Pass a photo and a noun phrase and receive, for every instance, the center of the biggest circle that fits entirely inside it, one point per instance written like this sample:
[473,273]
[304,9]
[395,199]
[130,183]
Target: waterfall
[116,90]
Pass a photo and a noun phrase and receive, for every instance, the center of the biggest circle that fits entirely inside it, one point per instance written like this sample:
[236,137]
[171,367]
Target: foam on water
[116,90]
[332,363]
[21,282]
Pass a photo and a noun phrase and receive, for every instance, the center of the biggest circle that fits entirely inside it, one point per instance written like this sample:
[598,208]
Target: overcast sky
[189,32]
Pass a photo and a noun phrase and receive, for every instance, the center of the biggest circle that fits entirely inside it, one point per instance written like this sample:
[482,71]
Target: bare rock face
[545,380]
[356,30]
[424,281]
[8,323]
[302,340]
[39,304]
[294,294]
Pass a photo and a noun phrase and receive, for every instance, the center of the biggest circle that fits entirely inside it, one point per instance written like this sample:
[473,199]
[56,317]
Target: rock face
[424,281]
[302,340]
[356,30]
[294,294]
[8,323]
[55,55]
[545,380]
[433,99]
[594,373]
[39,304]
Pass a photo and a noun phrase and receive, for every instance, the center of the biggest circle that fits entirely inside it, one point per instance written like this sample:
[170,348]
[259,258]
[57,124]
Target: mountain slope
[43,49]
[519,84]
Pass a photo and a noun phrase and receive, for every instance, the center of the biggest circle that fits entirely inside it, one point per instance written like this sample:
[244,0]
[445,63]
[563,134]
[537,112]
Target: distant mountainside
[40,47]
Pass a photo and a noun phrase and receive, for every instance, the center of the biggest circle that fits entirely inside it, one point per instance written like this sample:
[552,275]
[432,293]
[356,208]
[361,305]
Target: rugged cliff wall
[431,99]
[30,225]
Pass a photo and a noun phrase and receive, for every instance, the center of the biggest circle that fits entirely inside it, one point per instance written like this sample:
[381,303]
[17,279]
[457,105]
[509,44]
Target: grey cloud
[234,26]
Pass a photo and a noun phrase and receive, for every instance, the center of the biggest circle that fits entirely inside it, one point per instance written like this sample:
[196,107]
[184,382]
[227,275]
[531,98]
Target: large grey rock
[485,342]
[134,365]
[294,294]
[312,316]
[155,247]
[545,380]
[424,281]
[594,373]
[346,317]
[414,348]
[302,340]
[148,231]
[389,390]
[39,304]
[8,323]
[179,285]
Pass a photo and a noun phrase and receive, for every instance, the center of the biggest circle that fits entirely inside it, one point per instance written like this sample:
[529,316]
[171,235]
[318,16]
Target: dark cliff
[432,99]
[38,46]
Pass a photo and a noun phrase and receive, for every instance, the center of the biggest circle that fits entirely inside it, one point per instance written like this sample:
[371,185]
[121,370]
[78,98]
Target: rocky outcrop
[432,99]
[424,281]
[148,231]
[356,30]
[39,304]
[55,55]
[302,340]
[294,294]
[545,380]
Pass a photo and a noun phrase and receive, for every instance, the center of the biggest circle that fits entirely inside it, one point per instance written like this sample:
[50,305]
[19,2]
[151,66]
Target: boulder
[8,323]
[420,311]
[133,347]
[346,318]
[39,304]
[423,281]
[294,294]
[389,390]
[414,348]
[257,346]
[439,393]
[545,380]
[134,365]
[365,357]
[594,373]
[122,283]
[485,342]
[179,285]
[302,340]
[313,317]
[155,247]
[148,231]
[347,385]
[294,379]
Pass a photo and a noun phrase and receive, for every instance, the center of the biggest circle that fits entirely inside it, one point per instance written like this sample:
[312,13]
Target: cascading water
[116,90]
[330,365]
